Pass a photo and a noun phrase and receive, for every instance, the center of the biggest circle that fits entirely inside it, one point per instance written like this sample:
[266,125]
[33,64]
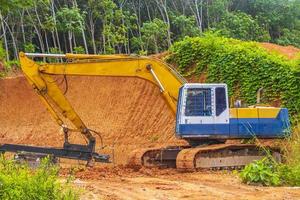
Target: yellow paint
[40,77]
[257,112]
[268,112]
[233,113]
[247,113]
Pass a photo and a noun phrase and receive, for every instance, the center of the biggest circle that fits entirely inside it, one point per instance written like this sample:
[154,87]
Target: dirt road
[147,184]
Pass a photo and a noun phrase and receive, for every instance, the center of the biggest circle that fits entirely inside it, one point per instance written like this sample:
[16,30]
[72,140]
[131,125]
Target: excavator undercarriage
[216,156]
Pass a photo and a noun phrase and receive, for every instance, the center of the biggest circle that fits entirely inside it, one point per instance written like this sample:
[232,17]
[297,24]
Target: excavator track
[222,156]
[155,157]
[186,158]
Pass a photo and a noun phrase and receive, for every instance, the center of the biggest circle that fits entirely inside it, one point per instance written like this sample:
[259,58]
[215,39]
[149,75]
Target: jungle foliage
[144,27]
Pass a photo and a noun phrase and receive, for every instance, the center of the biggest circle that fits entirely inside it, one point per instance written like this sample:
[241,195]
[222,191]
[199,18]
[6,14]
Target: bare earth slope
[290,52]
[128,112]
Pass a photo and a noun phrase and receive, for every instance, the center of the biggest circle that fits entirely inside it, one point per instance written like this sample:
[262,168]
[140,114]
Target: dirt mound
[130,113]
[290,52]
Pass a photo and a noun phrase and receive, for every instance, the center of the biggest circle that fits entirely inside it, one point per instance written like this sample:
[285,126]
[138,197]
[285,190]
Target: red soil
[290,52]
[129,113]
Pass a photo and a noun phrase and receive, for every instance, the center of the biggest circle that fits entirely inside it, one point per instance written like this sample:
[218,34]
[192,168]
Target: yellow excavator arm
[40,76]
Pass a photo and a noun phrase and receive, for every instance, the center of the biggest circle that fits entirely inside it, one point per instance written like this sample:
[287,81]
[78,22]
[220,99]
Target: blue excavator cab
[203,113]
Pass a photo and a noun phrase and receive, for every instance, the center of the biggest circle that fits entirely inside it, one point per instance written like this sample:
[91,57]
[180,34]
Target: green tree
[289,37]
[154,35]
[215,11]
[29,48]
[242,26]
[184,26]
[70,20]
[113,28]
[275,15]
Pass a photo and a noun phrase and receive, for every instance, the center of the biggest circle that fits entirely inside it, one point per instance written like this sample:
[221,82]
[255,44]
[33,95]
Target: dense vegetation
[18,182]
[244,66]
[139,26]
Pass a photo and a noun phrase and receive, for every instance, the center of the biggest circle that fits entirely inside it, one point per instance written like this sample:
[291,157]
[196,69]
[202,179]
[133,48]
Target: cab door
[221,115]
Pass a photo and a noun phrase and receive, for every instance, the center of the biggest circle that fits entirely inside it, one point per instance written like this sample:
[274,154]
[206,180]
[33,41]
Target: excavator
[203,116]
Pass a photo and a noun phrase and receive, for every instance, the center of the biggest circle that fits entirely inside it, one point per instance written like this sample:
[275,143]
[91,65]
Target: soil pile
[129,113]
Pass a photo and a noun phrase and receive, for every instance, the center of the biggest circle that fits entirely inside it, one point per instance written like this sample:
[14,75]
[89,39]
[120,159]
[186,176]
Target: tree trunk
[84,39]
[139,26]
[165,15]
[22,26]
[70,41]
[53,39]
[47,44]
[207,13]
[74,40]
[13,41]
[199,19]
[148,12]
[4,35]
[57,39]
[37,32]
[104,43]
[55,29]
[65,43]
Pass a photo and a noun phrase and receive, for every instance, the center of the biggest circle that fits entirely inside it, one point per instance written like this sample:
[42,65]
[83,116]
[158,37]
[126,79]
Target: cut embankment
[129,113]
[290,52]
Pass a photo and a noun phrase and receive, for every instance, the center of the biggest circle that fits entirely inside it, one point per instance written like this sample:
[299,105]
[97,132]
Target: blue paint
[240,128]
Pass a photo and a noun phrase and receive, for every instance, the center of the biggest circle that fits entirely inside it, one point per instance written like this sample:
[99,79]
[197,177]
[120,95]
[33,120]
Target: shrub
[243,66]
[79,50]
[2,52]
[29,48]
[289,37]
[55,51]
[19,182]
[268,172]
[261,172]
[12,65]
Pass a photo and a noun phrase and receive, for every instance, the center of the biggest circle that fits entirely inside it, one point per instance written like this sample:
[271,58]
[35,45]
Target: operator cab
[202,110]
[203,113]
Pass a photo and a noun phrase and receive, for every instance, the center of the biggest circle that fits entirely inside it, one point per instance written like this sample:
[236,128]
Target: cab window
[220,100]
[198,102]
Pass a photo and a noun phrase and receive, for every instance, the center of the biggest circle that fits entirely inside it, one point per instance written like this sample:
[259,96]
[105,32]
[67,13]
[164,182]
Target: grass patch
[19,182]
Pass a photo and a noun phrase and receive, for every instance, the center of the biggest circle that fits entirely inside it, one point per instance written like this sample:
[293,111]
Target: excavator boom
[41,76]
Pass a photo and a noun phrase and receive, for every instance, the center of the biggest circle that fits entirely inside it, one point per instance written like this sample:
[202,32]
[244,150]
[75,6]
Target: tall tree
[70,20]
